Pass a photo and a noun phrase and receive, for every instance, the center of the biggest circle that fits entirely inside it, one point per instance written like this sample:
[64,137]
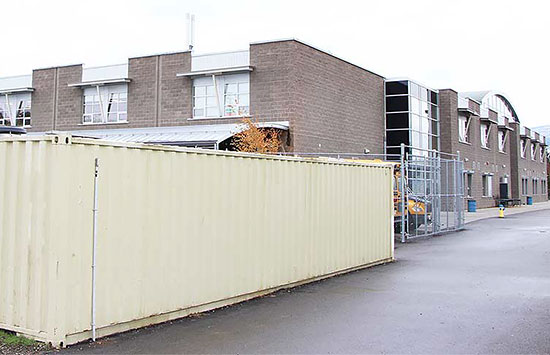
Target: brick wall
[332,105]
[340,106]
[55,105]
[476,158]
[143,91]
[273,83]
[175,99]
[481,160]
[69,99]
[530,169]
[448,119]
[43,99]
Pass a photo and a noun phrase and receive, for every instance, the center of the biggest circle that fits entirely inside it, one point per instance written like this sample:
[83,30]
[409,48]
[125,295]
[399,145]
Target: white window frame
[204,93]
[485,134]
[5,112]
[522,147]
[215,96]
[16,109]
[541,155]
[533,151]
[524,186]
[468,183]
[106,104]
[463,128]
[487,185]
[502,137]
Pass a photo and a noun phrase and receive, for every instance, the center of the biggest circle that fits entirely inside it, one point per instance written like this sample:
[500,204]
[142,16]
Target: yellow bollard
[501,211]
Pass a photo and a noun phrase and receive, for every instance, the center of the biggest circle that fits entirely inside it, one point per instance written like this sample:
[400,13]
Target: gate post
[402,182]
[459,191]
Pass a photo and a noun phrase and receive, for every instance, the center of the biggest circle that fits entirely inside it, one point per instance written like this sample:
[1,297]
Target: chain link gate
[429,198]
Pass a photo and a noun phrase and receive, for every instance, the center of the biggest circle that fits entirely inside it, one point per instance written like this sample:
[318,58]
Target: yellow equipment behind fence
[416,209]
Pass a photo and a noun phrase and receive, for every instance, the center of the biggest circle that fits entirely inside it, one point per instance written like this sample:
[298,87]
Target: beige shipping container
[179,230]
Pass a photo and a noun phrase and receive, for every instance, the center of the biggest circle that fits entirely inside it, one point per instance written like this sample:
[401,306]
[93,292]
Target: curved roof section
[485,98]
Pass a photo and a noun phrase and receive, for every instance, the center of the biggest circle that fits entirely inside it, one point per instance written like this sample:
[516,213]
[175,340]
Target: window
[15,109]
[117,106]
[396,88]
[468,184]
[397,104]
[522,147]
[535,187]
[544,187]
[541,153]
[4,115]
[92,111]
[463,129]
[485,130]
[204,101]
[221,96]
[533,151]
[411,119]
[487,184]
[23,114]
[502,141]
[236,99]
[397,120]
[110,106]
[524,186]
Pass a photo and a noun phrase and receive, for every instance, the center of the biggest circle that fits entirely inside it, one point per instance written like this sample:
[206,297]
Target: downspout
[94,231]
[54,109]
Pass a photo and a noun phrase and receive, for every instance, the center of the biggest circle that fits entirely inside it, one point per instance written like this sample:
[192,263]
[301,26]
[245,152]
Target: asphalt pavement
[482,290]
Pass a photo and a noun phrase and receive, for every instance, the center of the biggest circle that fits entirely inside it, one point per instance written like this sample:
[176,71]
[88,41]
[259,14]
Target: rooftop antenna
[190,30]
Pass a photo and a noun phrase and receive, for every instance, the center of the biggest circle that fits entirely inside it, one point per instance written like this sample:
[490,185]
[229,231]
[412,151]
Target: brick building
[324,104]
[502,158]
[319,102]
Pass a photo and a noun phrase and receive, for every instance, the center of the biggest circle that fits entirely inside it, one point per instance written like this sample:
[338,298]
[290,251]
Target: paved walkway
[493,212]
[482,290]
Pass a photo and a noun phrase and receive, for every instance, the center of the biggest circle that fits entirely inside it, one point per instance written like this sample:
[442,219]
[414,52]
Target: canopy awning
[100,82]
[16,90]
[188,136]
[222,71]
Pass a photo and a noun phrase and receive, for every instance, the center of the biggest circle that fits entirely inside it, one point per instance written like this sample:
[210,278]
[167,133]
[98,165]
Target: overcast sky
[464,45]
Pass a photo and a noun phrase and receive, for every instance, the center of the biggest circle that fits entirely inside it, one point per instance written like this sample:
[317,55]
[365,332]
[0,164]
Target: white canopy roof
[195,135]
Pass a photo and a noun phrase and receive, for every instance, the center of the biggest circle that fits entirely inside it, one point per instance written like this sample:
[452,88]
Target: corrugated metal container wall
[179,230]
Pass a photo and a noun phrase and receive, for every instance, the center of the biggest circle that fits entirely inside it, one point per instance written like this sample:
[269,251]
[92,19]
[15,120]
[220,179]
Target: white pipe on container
[94,210]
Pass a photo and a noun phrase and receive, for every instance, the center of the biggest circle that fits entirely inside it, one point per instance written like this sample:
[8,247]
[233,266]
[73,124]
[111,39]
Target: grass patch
[9,338]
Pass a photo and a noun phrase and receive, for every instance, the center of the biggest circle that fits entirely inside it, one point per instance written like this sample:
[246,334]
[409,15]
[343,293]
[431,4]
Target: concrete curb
[514,211]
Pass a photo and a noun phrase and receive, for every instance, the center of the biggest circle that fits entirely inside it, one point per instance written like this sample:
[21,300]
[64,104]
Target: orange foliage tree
[256,140]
